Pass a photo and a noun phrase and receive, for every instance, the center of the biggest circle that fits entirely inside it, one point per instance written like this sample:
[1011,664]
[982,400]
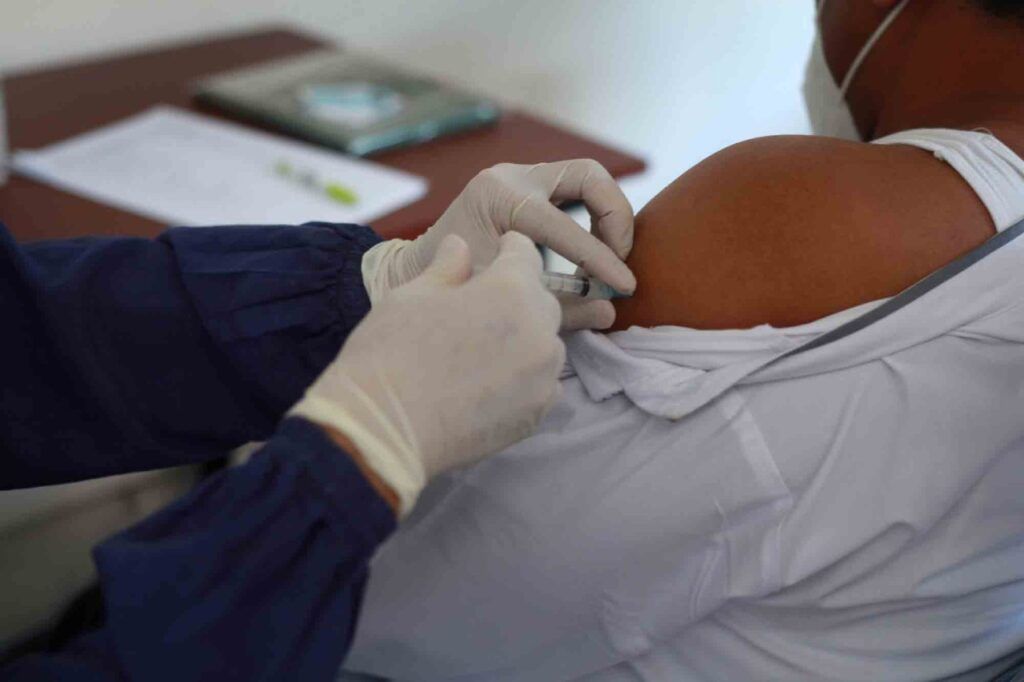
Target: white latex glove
[511,197]
[445,369]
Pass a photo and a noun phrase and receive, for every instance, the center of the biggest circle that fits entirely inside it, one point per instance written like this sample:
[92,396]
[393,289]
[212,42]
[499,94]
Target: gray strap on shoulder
[915,291]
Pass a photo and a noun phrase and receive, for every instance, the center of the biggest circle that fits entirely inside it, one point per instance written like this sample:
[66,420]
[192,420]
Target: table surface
[48,105]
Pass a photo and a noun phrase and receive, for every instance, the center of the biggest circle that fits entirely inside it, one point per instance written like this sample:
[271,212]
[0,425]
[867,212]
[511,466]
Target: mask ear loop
[864,51]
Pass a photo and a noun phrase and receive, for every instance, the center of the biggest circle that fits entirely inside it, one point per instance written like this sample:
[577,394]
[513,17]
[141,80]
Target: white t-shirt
[719,505]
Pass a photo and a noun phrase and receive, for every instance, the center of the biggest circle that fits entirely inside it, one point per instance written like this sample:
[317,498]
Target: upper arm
[785,230]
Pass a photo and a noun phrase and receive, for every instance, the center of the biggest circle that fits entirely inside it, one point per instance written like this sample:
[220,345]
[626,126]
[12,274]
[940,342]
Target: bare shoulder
[785,230]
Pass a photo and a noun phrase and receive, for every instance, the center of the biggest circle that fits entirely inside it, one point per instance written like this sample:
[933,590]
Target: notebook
[348,102]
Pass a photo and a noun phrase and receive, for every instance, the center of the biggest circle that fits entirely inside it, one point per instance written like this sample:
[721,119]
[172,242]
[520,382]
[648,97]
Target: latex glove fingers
[547,225]
[447,368]
[534,188]
[579,313]
[611,216]
[510,197]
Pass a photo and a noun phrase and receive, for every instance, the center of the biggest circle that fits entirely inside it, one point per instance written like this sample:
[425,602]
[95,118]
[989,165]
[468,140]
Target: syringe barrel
[558,283]
[575,285]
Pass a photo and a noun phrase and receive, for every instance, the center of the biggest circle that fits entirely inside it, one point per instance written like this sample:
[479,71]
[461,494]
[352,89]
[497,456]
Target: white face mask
[825,99]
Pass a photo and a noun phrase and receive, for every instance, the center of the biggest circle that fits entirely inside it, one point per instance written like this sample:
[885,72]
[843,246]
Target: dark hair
[1004,8]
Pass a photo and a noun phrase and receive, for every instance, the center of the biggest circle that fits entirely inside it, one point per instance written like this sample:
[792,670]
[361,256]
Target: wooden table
[52,104]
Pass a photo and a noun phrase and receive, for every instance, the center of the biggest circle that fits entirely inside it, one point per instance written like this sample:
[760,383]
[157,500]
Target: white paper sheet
[186,169]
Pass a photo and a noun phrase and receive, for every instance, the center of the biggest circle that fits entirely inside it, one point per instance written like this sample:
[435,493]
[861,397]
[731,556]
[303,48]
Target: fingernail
[627,284]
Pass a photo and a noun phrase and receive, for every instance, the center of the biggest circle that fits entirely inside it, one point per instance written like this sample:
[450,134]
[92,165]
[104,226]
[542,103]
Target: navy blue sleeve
[131,354]
[255,575]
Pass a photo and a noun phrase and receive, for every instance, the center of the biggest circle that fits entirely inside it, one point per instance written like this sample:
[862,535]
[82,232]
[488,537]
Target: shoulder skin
[785,230]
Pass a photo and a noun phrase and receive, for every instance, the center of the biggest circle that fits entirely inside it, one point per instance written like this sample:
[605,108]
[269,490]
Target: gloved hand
[511,197]
[445,369]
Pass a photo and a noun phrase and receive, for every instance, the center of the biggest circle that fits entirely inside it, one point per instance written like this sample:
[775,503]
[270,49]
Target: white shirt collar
[673,371]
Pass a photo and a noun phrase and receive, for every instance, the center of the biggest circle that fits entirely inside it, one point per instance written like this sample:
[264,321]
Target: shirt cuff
[257,572]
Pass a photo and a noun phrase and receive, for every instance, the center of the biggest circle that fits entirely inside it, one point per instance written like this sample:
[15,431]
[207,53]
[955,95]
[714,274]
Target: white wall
[673,80]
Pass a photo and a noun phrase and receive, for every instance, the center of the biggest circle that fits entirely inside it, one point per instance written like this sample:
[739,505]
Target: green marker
[309,179]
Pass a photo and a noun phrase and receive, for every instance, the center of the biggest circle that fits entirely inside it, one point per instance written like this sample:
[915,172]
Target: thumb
[452,264]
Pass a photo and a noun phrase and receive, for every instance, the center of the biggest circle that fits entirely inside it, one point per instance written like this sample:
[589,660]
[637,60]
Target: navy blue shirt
[123,355]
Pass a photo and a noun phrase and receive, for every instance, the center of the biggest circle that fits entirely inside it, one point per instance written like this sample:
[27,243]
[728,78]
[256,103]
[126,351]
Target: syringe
[578,285]
[575,285]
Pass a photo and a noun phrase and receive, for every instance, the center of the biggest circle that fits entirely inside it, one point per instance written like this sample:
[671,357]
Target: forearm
[385,491]
[129,354]
[257,574]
